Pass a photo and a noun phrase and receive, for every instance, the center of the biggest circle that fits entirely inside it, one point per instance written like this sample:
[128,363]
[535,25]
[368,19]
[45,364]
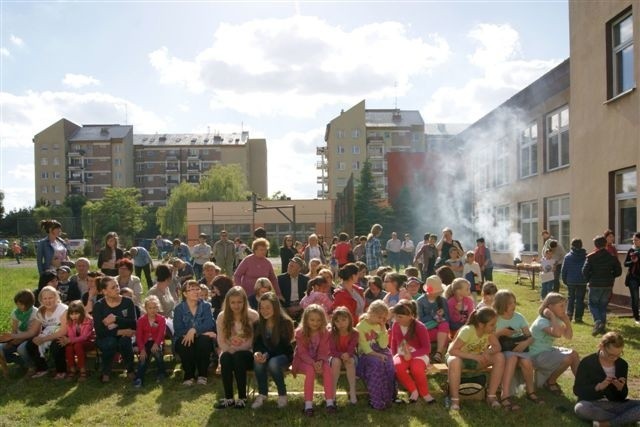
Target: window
[528,153]
[558,219]
[149,179]
[55,188]
[44,148]
[356,165]
[56,162]
[341,182]
[503,226]
[140,167]
[626,196]
[150,191]
[529,225]
[56,175]
[620,55]
[355,149]
[355,133]
[416,138]
[118,176]
[193,152]
[44,175]
[558,139]
[502,163]
[340,149]
[341,166]
[340,134]
[56,146]
[117,162]
[44,189]
[140,180]
[44,161]
[117,148]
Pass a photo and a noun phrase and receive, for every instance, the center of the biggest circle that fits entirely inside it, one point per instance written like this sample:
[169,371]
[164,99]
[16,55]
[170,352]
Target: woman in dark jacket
[632,280]
[272,348]
[572,277]
[52,251]
[287,252]
[110,254]
[601,385]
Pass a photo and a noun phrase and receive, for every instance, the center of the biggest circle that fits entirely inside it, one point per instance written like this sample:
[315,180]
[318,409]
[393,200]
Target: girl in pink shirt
[342,349]
[150,330]
[410,346]
[319,294]
[80,338]
[460,303]
[311,357]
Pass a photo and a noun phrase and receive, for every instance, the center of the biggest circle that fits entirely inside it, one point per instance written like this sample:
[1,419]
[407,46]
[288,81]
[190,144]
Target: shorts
[547,362]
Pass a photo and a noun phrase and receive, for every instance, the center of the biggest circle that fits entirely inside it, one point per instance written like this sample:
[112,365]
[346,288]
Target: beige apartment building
[73,159]
[562,154]
[239,219]
[361,134]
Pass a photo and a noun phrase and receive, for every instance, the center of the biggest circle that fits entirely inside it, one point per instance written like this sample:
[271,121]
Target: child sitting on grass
[489,290]
[150,330]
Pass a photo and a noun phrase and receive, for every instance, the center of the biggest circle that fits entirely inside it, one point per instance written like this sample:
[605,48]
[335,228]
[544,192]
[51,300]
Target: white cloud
[4,51]
[17,41]
[502,73]
[22,172]
[297,65]
[17,197]
[184,108]
[26,115]
[79,80]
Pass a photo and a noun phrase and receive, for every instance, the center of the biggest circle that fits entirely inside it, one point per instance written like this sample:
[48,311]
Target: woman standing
[314,250]
[51,251]
[633,275]
[115,323]
[373,248]
[193,334]
[110,254]
[601,385]
[287,252]
[255,266]
[349,295]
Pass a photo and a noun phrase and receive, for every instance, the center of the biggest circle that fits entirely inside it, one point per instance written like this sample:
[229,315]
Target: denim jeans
[109,346]
[159,356]
[616,413]
[545,288]
[21,358]
[598,300]
[274,366]
[634,288]
[577,291]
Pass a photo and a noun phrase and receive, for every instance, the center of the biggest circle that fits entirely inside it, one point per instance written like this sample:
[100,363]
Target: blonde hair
[552,298]
[376,307]
[262,282]
[304,322]
[49,289]
[151,299]
[455,286]
[502,299]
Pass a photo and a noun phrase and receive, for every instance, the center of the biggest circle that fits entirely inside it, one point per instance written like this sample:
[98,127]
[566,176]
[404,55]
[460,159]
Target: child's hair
[52,290]
[223,283]
[282,325]
[304,322]
[382,270]
[25,297]
[576,244]
[612,339]
[407,307]
[205,288]
[316,281]
[489,288]
[375,281]
[341,313]
[470,254]
[326,272]
[396,278]
[502,300]
[228,320]
[376,307]
[551,299]
[348,270]
[481,316]
[76,307]
[127,292]
[446,274]
[411,272]
[361,266]
[456,285]
[163,272]
[454,250]
[262,282]
[151,299]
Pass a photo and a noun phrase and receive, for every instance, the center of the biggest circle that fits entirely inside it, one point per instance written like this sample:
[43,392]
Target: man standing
[82,275]
[201,253]
[426,256]
[407,249]
[224,252]
[142,262]
[393,251]
[600,270]
[482,255]
[181,250]
[293,285]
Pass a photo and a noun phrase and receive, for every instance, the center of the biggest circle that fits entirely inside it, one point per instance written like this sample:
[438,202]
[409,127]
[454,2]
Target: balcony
[193,167]
[75,164]
[322,194]
[321,151]
[172,167]
[75,178]
[76,153]
[321,165]
[375,139]
[322,180]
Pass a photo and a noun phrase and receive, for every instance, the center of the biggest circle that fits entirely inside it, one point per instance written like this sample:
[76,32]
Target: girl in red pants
[80,338]
[410,346]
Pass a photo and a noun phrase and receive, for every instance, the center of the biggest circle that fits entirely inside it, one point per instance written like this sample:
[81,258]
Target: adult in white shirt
[406,250]
[393,248]
[200,253]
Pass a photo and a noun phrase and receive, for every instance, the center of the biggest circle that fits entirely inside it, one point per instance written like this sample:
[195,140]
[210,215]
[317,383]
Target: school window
[620,54]
[56,175]
[118,176]
[528,153]
[340,149]
[140,180]
[557,127]
[117,148]
[44,148]
[355,149]
[483,166]
[503,226]
[56,146]
[558,219]
[341,182]
[529,225]
[626,202]
[55,188]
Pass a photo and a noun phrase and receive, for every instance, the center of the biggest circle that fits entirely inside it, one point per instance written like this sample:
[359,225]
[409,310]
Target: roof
[235,138]
[100,133]
[444,129]
[393,118]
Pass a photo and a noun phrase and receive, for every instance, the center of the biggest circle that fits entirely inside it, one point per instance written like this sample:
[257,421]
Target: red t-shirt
[342,252]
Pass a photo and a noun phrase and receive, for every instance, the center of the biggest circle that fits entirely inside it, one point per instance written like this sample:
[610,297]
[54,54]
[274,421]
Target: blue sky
[281,70]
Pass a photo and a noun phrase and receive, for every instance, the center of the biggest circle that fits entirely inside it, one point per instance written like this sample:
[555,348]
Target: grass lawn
[47,402]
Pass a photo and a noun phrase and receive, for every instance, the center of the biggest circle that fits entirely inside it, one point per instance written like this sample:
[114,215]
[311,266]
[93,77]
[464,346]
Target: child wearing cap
[433,312]
[68,289]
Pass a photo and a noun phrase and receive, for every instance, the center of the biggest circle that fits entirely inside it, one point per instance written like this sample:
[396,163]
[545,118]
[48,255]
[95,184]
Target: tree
[75,202]
[367,208]
[220,183]
[118,211]
[1,204]
[404,209]
[279,195]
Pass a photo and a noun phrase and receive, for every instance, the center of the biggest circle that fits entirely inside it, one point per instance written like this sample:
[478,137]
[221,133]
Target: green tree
[118,211]
[220,183]
[75,202]
[1,204]
[404,215]
[367,208]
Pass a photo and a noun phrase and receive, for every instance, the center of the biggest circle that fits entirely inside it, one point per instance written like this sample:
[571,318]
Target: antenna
[395,88]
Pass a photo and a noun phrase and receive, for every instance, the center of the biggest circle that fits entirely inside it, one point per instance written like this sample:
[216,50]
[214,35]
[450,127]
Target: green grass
[48,402]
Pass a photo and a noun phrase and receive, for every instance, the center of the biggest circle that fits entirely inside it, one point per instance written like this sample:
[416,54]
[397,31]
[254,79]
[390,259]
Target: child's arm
[363,343]
[456,349]
[454,315]
[302,349]
[353,343]
[558,327]
[86,330]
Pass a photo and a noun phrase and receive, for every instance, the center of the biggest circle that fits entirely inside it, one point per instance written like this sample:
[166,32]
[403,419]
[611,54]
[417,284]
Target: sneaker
[39,374]
[259,401]
[282,401]
[241,403]
[596,328]
[202,380]
[224,404]
[188,382]
[137,383]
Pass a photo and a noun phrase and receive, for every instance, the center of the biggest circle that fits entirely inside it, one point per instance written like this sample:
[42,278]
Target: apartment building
[361,134]
[73,159]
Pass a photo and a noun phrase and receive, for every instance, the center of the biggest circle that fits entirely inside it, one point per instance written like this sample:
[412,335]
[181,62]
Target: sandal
[533,397]
[508,405]
[437,358]
[493,401]
[455,404]
[553,388]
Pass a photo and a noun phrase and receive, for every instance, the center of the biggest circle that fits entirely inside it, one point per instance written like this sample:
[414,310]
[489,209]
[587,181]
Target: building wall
[257,170]
[605,133]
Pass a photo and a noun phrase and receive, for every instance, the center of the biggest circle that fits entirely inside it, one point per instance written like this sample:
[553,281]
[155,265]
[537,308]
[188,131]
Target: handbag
[509,343]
